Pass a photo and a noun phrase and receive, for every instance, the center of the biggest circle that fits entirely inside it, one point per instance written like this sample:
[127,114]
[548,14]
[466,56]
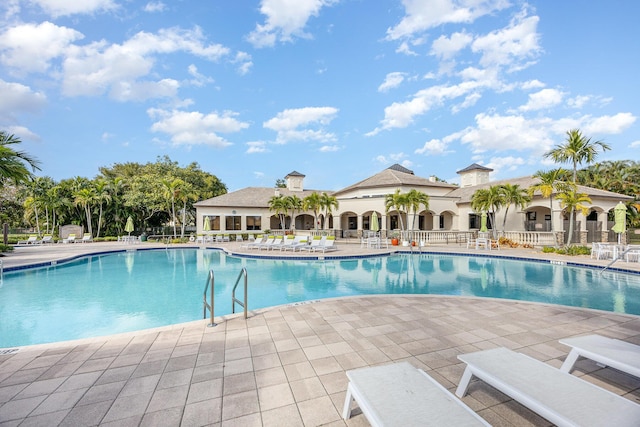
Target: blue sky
[335,89]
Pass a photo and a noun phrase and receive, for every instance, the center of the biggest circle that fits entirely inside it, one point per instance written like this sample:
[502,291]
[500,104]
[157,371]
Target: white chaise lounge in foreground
[620,355]
[402,395]
[561,398]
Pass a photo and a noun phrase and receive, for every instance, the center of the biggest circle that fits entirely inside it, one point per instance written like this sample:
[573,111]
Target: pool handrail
[234,300]
[210,283]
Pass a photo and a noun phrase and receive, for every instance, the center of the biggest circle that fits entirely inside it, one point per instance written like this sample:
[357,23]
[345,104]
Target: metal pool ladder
[210,286]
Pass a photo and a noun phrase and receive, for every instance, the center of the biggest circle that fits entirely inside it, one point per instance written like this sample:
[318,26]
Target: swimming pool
[133,290]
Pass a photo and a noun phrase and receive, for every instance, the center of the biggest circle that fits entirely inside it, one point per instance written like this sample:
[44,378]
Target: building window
[394,223]
[232,223]
[531,216]
[353,223]
[254,223]
[214,222]
[474,221]
[441,225]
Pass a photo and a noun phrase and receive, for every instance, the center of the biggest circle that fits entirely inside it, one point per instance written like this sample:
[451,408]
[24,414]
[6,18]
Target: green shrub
[568,250]
[548,249]
[5,248]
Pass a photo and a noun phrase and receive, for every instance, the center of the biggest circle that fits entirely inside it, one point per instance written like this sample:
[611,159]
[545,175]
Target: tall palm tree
[551,181]
[398,202]
[171,187]
[295,204]
[577,149]
[102,196]
[328,203]
[312,203]
[488,200]
[415,199]
[279,205]
[14,165]
[571,200]
[186,192]
[513,194]
[85,197]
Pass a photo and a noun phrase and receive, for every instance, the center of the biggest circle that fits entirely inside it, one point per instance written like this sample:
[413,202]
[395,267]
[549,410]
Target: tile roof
[253,197]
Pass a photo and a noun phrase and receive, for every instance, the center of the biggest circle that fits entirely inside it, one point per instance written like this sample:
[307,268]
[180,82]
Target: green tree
[186,193]
[14,164]
[85,198]
[328,203]
[572,201]
[398,202]
[312,203]
[102,196]
[577,149]
[488,200]
[295,203]
[279,205]
[415,199]
[550,182]
[513,194]
[171,188]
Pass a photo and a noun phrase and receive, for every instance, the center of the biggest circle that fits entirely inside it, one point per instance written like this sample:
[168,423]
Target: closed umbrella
[483,222]
[374,222]
[207,224]
[620,218]
[129,225]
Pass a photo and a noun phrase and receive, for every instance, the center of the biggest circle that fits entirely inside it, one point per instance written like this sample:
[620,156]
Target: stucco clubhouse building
[247,210]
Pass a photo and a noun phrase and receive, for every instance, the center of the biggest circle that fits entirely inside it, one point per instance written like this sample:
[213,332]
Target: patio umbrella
[483,222]
[129,225]
[620,217]
[374,222]
[207,224]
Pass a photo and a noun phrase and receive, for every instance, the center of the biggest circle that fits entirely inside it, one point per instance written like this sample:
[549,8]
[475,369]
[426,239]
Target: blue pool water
[127,291]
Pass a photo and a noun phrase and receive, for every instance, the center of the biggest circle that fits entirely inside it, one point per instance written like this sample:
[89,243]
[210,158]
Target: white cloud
[634,144]
[405,49]
[155,6]
[329,148]
[58,8]
[285,19]
[423,15]
[546,98]
[198,79]
[512,46]
[292,124]
[256,147]
[532,84]
[195,128]
[434,147]
[447,47]
[98,67]
[509,164]
[18,98]
[244,62]
[23,133]
[579,101]
[392,81]
[469,101]
[30,47]
[608,124]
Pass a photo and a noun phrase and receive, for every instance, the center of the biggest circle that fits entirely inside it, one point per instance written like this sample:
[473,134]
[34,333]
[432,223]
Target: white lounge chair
[315,242]
[561,398]
[275,244]
[226,238]
[30,241]
[255,243]
[87,238]
[298,243]
[328,245]
[288,241]
[71,238]
[402,395]
[266,243]
[620,355]
[47,238]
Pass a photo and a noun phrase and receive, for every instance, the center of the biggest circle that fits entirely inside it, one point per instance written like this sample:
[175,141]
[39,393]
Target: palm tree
[312,203]
[279,205]
[328,203]
[12,162]
[102,196]
[572,200]
[489,200]
[550,182]
[513,194]
[185,193]
[577,149]
[85,197]
[415,199]
[170,187]
[295,204]
[398,202]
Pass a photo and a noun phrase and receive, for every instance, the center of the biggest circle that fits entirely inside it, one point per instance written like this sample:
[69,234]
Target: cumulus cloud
[635,144]
[58,8]
[31,47]
[99,67]
[18,98]
[447,47]
[421,15]
[391,81]
[508,164]
[546,98]
[329,148]
[608,124]
[195,128]
[155,6]
[298,124]
[285,19]
[434,147]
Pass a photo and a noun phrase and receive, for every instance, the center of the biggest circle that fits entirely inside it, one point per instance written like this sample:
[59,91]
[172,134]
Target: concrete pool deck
[285,366]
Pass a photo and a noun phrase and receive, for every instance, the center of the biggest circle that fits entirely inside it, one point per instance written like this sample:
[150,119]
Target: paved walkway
[285,366]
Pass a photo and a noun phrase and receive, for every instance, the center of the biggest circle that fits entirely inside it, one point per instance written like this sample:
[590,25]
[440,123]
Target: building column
[436,222]
[602,219]
[583,227]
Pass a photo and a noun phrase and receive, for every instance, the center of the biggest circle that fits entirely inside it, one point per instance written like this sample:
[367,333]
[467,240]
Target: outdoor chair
[30,241]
